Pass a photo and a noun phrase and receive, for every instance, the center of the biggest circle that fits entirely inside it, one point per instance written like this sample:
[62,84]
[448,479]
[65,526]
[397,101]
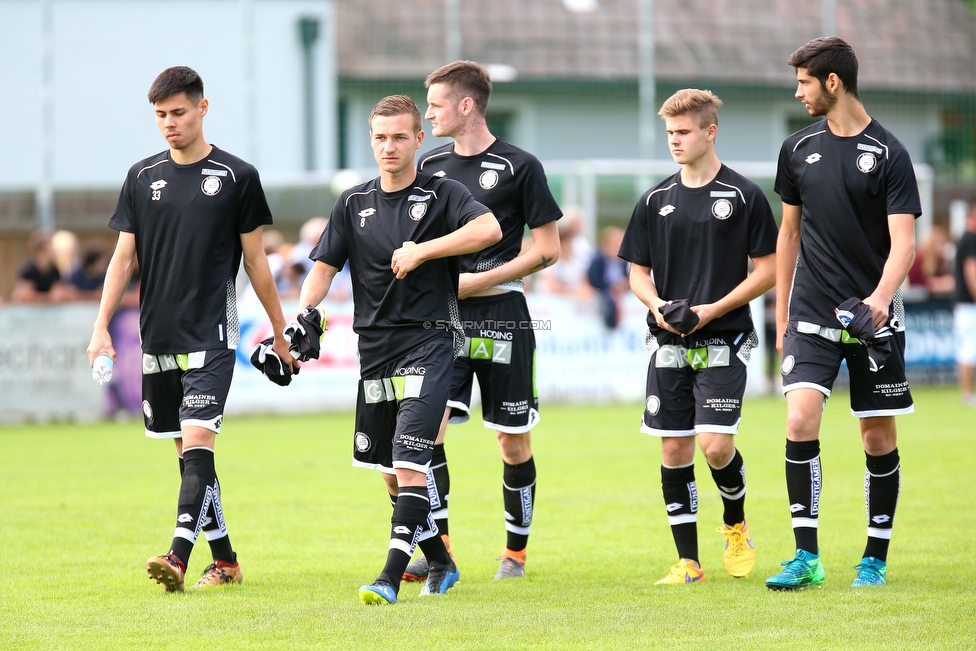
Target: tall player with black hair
[401,234]
[189,215]
[513,184]
[850,200]
[689,242]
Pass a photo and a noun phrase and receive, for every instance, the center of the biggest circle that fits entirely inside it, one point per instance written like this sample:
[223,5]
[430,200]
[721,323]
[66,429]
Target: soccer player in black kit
[689,242]
[401,234]
[188,216]
[850,200]
[500,346]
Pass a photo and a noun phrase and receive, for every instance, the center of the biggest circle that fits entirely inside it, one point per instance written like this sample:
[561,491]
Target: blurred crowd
[59,269]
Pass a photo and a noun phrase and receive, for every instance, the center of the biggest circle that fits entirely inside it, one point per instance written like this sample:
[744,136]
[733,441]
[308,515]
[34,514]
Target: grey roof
[908,45]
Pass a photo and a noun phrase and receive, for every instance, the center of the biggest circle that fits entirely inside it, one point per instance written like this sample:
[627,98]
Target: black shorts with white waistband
[812,356]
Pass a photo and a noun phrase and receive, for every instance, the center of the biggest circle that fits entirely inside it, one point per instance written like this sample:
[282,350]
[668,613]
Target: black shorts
[399,409]
[187,389]
[499,347]
[695,384]
[812,360]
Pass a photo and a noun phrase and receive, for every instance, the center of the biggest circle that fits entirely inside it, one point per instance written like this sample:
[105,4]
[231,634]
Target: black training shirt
[847,187]
[698,241]
[512,183]
[188,221]
[367,225]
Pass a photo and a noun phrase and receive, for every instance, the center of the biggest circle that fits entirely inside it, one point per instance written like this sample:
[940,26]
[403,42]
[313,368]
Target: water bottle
[102,368]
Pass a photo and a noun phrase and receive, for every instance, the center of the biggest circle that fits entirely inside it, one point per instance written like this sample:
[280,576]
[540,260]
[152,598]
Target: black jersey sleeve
[785,185]
[537,204]
[762,225]
[331,248]
[901,186]
[122,219]
[254,210]
[636,245]
[462,206]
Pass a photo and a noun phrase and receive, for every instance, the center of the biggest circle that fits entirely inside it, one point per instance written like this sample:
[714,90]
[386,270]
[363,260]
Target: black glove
[304,334]
[679,315]
[857,319]
[266,360]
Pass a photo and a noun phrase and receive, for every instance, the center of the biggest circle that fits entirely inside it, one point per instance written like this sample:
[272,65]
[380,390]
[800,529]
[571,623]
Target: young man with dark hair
[850,200]
[499,343]
[689,242]
[188,216]
[401,234]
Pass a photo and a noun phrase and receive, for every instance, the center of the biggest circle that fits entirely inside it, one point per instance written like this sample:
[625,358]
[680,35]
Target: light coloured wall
[106,53]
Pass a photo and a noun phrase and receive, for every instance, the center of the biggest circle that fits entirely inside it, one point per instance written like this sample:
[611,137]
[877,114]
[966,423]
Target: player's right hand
[101,341]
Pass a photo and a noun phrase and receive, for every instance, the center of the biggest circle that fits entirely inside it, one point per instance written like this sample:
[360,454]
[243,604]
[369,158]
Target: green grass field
[82,507]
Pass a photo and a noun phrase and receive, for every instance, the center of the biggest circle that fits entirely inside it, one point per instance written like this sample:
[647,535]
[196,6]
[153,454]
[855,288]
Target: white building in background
[74,75]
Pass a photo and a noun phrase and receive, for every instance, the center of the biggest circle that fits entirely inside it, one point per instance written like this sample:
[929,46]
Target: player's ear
[204,106]
[420,138]
[832,83]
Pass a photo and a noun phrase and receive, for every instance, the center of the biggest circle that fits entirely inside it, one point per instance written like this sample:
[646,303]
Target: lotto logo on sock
[693,493]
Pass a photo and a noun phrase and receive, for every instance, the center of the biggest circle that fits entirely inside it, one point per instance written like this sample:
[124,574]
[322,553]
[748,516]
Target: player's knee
[515,448]
[718,450]
[802,426]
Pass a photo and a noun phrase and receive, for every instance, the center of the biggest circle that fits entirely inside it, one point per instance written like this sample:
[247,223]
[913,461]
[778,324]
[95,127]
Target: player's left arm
[543,252]
[760,281]
[259,272]
[480,232]
[901,228]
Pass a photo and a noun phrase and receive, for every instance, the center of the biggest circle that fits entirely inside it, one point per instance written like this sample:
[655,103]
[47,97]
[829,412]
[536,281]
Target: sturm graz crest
[362,442]
[417,211]
[722,209]
[210,185]
[867,162]
[488,179]
[653,405]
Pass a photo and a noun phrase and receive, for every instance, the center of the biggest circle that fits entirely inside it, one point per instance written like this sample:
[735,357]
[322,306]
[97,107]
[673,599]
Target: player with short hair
[499,345]
[850,200]
[689,242]
[188,216]
[401,234]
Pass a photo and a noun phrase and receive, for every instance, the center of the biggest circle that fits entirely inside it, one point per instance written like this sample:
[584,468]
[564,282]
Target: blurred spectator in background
[273,241]
[568,278]
[86,281]
[608,274]
[932,268]
[964,319]
[39,280]
[308,237]
[66,252]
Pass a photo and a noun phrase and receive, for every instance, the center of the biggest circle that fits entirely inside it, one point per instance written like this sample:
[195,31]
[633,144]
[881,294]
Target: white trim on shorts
[460,406]
[205,424]
[372,466]
[884,412]
[650,431]
[163,435]
[406,465]
[534,419]
[718,429]
[805,385]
